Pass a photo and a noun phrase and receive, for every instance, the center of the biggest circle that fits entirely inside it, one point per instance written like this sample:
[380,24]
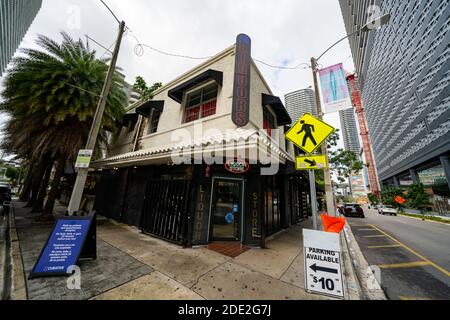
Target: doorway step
[230,249]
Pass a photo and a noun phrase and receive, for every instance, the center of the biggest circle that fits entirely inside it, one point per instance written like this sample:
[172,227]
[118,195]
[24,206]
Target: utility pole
[328,184]
[77,193]
[312,188]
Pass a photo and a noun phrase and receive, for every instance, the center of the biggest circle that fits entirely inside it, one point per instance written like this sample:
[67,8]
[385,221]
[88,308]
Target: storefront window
[405,181]
[272,206]
[436,185]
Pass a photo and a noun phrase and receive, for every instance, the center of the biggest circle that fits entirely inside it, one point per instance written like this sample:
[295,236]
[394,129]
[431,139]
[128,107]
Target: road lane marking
[441,269]
[376,236]
[413,298]
[365,230]
[386,246]
[404,265]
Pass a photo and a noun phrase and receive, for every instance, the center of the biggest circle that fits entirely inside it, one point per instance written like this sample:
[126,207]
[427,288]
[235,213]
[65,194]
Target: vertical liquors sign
[241,89]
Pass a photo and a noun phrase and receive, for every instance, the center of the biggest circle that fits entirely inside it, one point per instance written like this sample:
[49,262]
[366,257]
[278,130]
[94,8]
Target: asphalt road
[413,255]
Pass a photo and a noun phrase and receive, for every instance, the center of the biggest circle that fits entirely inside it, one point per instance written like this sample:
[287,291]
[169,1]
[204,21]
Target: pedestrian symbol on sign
[308,129]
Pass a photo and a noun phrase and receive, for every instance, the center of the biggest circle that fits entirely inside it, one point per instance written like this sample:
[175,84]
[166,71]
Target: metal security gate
[166,210]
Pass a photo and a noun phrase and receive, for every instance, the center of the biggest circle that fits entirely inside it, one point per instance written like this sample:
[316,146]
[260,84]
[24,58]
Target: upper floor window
[269,121]
[201,104]
[154,121]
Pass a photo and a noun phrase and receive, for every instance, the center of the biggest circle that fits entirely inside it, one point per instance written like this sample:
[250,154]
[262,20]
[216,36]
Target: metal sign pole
[312,187]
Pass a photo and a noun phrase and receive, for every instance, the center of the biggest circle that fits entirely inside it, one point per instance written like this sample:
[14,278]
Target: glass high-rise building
[300,102]
[404,72]
[16,17]
[350,131]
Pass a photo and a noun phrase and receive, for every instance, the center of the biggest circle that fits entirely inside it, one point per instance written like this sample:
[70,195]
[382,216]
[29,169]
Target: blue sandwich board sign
[71,239]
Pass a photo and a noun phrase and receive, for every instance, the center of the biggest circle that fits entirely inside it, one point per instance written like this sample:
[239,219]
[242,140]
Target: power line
[305,65]
[98,43]
[139,51]
[79,88]
[112,12]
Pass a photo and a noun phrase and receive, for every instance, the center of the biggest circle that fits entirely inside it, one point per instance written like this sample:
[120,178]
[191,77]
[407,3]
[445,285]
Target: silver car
[387,210]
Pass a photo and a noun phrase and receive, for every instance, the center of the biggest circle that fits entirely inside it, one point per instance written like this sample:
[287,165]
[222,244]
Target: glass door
[226,209]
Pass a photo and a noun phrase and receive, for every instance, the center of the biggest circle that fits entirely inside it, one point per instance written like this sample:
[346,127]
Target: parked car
[5,197]
[387,210]
[352,210]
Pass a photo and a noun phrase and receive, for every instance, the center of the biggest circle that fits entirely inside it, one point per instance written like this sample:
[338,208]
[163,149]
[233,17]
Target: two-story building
[206,160]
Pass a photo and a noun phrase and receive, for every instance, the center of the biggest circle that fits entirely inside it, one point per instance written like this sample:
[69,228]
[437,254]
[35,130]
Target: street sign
[323,273]
[311,163]
[83,159]
[309,133]
[400,200]
[71,239]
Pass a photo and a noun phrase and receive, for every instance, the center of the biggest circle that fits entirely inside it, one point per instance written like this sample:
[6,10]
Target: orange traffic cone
[331,224]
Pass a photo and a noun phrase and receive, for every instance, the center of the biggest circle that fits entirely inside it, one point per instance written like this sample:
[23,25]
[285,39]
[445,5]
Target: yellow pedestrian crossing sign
[311,163]
[309,133]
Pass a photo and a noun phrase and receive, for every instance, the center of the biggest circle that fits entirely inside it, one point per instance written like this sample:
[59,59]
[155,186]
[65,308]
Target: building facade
[300,102]
[16,18]
[183,171]
[350,131]
[404,70]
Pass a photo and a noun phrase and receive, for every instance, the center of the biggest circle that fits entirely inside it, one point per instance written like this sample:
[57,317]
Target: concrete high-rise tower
[300,102]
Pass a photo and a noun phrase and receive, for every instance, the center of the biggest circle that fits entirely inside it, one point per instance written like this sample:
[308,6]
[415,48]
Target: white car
[387,210]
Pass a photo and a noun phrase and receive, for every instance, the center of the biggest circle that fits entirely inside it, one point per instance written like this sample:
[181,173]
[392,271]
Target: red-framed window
[201,104]
[269,121]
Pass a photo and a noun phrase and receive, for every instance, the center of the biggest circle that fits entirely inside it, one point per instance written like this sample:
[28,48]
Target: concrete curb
[370,286]
[18,289]
[352,288]
[3,256]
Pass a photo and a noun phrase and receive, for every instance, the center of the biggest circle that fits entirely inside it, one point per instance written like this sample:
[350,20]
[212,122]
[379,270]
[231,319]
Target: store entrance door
[226,209]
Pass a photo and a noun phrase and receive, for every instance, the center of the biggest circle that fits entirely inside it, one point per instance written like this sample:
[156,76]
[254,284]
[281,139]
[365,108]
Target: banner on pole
[335,92]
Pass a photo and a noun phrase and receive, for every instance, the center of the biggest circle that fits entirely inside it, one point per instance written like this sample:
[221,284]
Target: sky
[283,32]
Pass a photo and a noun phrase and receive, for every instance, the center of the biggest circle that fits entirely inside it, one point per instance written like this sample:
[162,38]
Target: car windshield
[389,207]
[4,189]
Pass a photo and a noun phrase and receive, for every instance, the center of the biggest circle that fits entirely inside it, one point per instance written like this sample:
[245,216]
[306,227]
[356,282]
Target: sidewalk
[133,266]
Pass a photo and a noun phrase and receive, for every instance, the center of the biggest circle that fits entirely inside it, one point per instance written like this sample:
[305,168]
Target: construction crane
[363,127]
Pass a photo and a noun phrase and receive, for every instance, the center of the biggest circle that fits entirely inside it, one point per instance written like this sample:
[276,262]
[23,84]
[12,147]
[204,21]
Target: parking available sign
[323,274]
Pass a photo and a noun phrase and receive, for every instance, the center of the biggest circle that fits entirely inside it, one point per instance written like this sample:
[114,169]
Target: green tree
[51,95]
[144,90]
[417,197]
[343,163]
[374,200]
[389,195]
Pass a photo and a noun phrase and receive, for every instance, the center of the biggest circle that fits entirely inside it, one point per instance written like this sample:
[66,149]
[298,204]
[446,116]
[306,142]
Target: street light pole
[376,23]
[77,193]
[327,176]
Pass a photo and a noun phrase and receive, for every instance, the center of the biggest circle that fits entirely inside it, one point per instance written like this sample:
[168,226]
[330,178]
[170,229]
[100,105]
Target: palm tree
[51,96]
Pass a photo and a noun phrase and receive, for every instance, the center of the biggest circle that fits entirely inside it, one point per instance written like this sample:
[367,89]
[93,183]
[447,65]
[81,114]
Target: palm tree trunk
[26,191]
[39,204]
[59,172]
[38,175]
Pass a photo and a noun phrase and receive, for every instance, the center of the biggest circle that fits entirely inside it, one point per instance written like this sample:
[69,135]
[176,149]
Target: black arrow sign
[312,163]
[316,268]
